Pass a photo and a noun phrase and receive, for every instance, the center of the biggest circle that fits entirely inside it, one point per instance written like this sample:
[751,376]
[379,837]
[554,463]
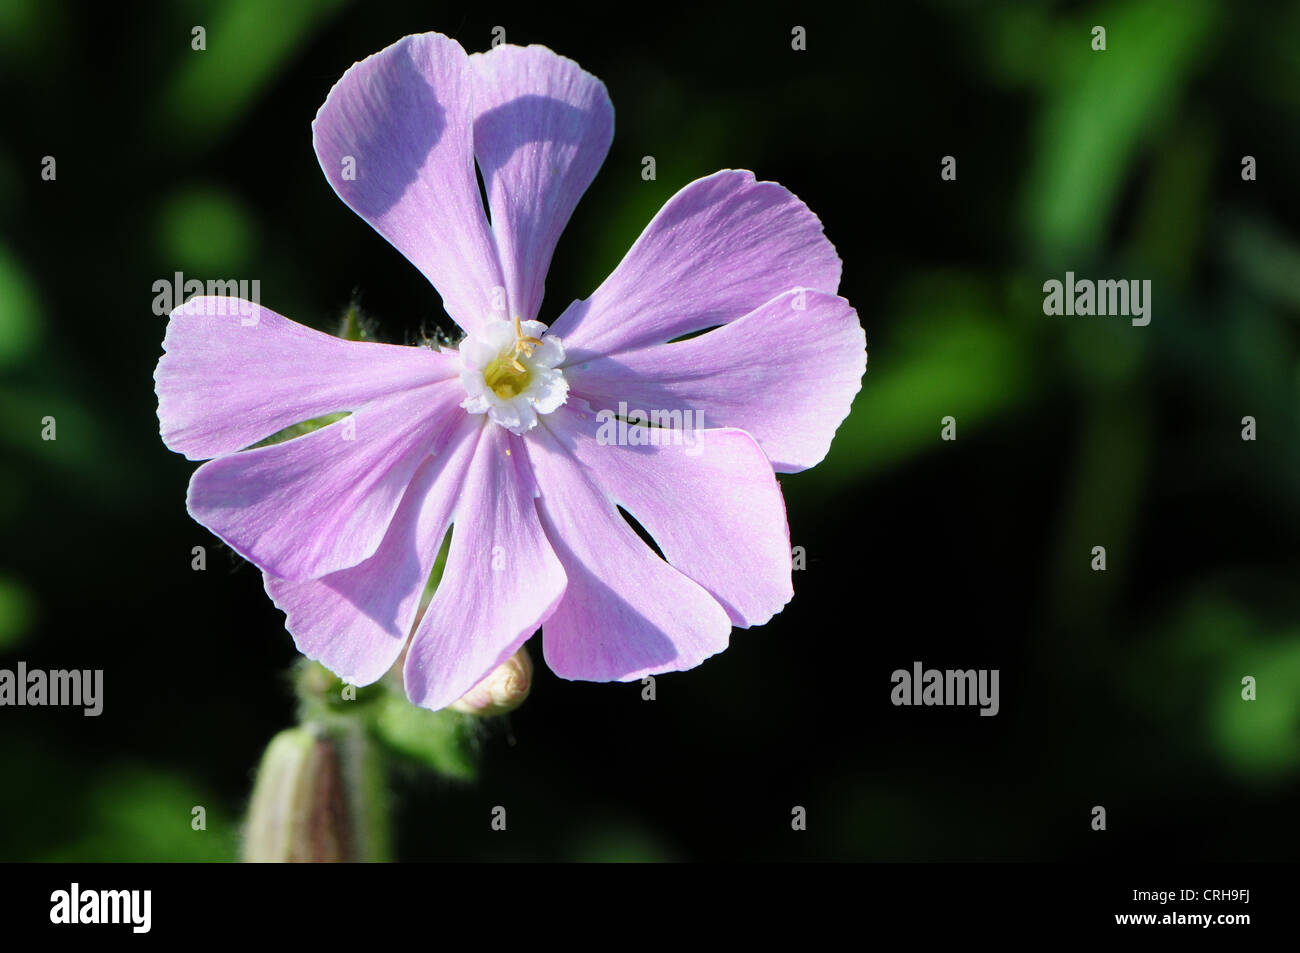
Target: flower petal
[395,138]
[717,250]
[786,375]
[708,498]
[626,613]
[502,579]
[542,128]
[322,502]
[356,621]
[234,372]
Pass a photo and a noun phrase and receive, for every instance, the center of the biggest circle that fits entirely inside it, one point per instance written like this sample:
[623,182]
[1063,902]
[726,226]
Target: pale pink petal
[502,579]
[234,372]
[395,138]
[542,128]
[719,248]
[709,500]
[786,373]
[626,613]
[356,621]
[320,503]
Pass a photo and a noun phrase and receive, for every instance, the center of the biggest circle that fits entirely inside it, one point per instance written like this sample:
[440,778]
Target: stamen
[509,375]
[524,344]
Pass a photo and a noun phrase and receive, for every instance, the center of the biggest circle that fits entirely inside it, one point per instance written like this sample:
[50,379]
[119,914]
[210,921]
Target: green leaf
[446,741]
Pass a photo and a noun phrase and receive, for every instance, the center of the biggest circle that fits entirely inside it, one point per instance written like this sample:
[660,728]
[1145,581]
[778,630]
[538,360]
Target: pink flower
[511,436]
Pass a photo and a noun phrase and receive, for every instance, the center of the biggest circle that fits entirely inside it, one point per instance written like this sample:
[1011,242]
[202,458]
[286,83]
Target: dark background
[1119,689]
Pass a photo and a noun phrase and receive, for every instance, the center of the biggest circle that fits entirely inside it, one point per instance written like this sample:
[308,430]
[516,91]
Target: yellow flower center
[507,376]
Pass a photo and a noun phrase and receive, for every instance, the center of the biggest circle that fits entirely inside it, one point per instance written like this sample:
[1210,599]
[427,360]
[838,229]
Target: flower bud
[502,691]
[313,801]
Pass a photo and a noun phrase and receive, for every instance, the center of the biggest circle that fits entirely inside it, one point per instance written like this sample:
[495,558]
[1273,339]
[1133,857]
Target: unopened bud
[502,691]
[313,801]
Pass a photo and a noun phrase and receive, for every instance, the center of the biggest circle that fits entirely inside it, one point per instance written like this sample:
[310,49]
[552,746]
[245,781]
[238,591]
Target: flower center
[511,372]
[507,377]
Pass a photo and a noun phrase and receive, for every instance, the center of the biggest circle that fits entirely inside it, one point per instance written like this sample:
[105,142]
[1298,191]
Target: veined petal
[395,138]
[786,373]
[322,502]
[502,579]
[708,498]
[626,613]
[356,621]
[718,249]
[234,372]
[542,128]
